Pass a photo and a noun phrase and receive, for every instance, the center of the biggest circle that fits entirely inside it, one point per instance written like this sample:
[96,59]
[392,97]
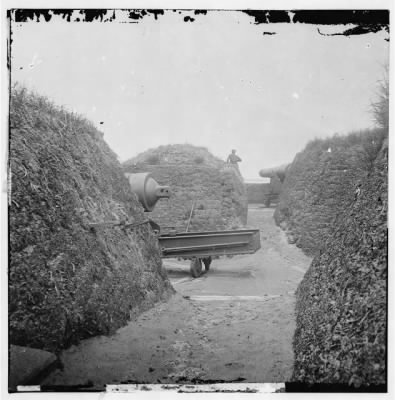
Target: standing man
[233,159]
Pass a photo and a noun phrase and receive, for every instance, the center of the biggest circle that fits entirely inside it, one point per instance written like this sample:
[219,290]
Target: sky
[218,82]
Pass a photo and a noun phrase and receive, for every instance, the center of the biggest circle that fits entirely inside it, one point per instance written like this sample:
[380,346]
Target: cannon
[198,247]
[146,188]
[279,171]
[271,191]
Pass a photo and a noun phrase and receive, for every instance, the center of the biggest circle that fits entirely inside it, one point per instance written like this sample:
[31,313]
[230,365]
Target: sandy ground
[233,324]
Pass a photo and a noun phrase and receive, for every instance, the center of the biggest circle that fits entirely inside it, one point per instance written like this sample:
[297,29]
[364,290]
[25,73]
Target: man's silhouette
[233,159]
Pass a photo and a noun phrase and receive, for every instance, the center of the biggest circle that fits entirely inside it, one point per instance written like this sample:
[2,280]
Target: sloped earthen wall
[321,183]
[67,280]
[211,198]
[336,202]
[204,190]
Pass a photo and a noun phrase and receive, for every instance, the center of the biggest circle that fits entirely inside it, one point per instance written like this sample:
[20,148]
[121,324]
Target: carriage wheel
[207,262]
[196,267]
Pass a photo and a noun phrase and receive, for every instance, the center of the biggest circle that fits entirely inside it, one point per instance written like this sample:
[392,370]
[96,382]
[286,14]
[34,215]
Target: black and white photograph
[195,199]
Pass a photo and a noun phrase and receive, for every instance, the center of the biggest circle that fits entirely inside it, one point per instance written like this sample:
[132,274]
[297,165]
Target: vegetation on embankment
[321,183]
[206,193]
[67,280]
[334,205]
[342,300]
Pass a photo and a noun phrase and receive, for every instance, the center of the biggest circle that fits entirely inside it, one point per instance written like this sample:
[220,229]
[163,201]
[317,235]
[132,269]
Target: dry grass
[176,154]
[67,281]
[341,302]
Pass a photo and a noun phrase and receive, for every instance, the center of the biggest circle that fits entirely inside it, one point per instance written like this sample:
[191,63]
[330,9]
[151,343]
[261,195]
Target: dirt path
[233,324]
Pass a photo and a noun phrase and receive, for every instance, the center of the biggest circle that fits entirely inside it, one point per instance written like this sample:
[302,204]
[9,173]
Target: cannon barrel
[280,171]
[148,191]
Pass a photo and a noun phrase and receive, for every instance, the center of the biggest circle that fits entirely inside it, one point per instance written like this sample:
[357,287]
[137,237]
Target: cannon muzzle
[148,191]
